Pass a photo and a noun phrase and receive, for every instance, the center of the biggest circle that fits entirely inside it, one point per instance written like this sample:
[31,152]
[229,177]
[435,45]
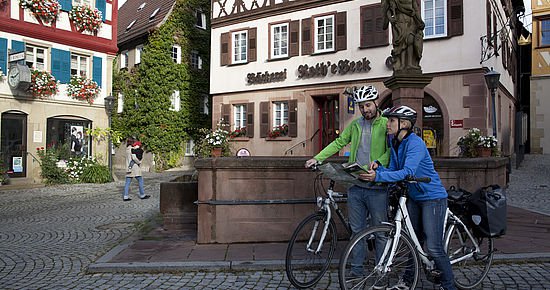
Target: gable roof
[130,12]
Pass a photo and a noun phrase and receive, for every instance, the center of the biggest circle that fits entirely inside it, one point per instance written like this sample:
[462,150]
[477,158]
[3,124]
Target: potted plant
[239,132]
[43,84]
[278,131]
[213,143]
[86,18]
[46,10]
[474,144]
[83,89]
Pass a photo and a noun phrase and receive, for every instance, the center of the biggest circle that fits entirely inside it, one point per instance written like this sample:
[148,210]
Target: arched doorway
[14,143]
[433,131]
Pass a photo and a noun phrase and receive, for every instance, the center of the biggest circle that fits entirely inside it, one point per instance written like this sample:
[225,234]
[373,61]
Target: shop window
[13,150]
[68,134]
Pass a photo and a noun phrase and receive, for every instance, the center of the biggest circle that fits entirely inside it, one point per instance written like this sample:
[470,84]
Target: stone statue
[407,34]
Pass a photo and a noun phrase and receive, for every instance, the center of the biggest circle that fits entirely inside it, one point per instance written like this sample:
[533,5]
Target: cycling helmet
[401,112]
[365,93]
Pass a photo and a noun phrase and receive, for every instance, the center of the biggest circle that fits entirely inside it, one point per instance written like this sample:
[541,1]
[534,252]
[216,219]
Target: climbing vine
[147,88]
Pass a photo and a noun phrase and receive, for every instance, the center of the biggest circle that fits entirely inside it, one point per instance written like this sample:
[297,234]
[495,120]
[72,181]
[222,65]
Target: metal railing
[303,143]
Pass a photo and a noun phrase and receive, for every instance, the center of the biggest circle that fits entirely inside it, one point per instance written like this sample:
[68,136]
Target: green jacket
[352,133]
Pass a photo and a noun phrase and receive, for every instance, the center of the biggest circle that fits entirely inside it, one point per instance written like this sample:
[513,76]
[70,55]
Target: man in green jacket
[367,136]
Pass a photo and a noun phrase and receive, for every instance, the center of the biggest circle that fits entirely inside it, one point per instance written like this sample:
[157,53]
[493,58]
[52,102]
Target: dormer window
[141,6]
[130,25]
[154,13]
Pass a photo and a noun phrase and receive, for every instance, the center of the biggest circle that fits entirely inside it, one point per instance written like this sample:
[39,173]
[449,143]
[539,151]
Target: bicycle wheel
[470,272]
[304,266]
[405,267]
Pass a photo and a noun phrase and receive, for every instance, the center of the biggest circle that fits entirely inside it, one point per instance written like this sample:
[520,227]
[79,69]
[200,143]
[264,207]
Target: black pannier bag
[459,203]
[488,211]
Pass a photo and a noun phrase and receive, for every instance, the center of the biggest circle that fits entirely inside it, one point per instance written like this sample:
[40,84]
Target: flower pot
[216,152]
[483,151]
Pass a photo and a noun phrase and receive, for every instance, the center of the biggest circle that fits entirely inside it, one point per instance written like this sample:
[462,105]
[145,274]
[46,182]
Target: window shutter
[97,70]
[250,120]
[294,40]
[224,50]
[17,46]
[341,39]
[307,44]
[101,6]
[61,65]
[226,111]
[489,25]
[292,118]
[264,119]
[454,18]
[4,55]
[372,30]
[494,34]
[251,44]
[66,5]
[504,54]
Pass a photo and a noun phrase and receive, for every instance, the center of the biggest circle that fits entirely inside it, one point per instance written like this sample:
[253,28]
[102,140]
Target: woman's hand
[373,165]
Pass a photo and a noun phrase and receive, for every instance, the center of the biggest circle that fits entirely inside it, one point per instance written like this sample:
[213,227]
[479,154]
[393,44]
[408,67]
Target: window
[131,24]
[205,105]
[83,3]
[545,32]
[239,116]
[196,60]
[175,101]
[80,65]
[434,14]
[139,50]
[176,53]
[124,59]
[35,57]
[189,147]
[280,114]
[324,33]
[201,19]
[154,14]
[141,6]
[240,40]
[279,34]
[120,103]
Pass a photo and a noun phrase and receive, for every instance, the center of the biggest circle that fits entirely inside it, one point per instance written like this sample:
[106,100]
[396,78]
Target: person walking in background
[367,136]
[427,204]
[134,170]
[137,152]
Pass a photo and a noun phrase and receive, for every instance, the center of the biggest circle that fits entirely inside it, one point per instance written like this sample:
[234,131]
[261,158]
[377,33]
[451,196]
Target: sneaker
[400,285]
[145,197]
[126,199]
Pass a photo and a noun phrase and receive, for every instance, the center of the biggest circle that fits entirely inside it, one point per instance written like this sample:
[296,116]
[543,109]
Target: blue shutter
[4,55]
[97,70]
[66,5]
[101,6]
[61,65]
[17,46]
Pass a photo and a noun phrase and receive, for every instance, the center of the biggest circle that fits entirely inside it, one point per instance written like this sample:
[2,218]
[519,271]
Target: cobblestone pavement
[48,236]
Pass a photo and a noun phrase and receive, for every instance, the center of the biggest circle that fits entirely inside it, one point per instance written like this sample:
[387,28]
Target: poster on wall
[429,138]
[77,139]
[17,163]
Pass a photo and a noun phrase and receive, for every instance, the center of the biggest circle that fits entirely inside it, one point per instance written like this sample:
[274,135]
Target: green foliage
[147,89]
[209,139]
[96,173]
[48,165]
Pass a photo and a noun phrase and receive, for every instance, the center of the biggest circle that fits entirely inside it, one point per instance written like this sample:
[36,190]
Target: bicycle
[313,243]
[403,252]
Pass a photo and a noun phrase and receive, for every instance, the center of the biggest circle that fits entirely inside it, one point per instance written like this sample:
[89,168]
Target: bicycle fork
[323,234]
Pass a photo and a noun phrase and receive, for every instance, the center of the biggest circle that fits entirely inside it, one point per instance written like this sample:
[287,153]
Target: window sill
[239,63]
[323,52]
[373,46]
[278,58]
[239,139]
[282,138]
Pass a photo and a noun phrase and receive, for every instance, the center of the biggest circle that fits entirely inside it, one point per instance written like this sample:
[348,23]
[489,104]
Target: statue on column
[407,34]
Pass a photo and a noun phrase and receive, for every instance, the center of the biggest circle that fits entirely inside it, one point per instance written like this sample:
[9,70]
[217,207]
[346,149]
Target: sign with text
[342,67]
[457,123]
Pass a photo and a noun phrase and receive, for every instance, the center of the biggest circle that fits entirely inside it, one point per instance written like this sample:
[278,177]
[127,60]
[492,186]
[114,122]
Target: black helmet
[401,112]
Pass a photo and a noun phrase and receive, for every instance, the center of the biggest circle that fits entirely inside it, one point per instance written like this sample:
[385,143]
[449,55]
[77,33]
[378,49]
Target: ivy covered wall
[147,88]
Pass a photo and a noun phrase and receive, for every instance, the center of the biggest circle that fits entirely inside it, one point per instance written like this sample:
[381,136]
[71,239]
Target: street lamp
[109,104]
[492,79]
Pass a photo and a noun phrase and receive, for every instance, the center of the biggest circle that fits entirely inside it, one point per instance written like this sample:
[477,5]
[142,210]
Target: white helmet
[365,93]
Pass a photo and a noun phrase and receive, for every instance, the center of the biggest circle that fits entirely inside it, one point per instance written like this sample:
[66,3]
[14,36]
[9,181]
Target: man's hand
[311,162]
[373,165]
[369,176]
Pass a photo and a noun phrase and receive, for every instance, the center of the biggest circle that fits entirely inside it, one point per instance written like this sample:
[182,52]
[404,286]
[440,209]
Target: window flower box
[46,10]
[43,84]
[83,89]
[86,18]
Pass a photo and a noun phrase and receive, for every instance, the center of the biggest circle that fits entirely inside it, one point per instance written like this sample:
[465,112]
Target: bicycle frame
[456,220]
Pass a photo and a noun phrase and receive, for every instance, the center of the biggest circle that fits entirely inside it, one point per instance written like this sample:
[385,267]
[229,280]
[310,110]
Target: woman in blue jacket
[427,202]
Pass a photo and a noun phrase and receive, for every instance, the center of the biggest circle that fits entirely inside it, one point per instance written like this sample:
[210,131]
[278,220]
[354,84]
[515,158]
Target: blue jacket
[413,159]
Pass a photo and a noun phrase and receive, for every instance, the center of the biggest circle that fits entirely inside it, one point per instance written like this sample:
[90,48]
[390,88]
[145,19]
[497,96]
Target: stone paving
[48,237]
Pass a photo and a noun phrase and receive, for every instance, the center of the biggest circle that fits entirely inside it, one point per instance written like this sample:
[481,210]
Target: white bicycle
[470,256]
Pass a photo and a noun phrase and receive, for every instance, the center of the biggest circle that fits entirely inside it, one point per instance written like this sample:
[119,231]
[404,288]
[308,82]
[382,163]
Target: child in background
[137,153]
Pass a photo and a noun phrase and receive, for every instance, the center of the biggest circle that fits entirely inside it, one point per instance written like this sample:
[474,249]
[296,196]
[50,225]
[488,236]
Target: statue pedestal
[408,90]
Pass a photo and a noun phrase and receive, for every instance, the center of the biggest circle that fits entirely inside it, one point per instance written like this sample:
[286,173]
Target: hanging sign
[457,123]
